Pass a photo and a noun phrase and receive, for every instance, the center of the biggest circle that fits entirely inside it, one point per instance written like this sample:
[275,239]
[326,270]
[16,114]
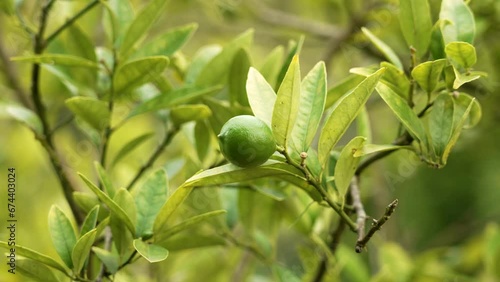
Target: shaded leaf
[62,234]
[294,49]
[170,206]
[271,66]
[342,88]
[437,42]
[384,48]
[35,270]
[109,259]
[238,77]
[199,61]
[105,180]
[441,123]
[202,138]
[129,147]
[81,250]
[92,111]
[138,72]
[126,202]
[151,252]
[261,96]
[346,166]
[374,148]
[186,113]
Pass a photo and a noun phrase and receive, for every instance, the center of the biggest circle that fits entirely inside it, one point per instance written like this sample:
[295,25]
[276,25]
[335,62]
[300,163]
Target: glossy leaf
[186,113]
[167,43]
[138,28]
[129,147]
[114,208]
[261,96]
[271,66]
[105,180]
[90,221]
[109,259]
[457,21]
[405,114]
[173,202]
[57,59]
[172,98]
[343,114]
[346,166]
[428,74]
[149,198]
[461,54]
[92,111]
[415,21]
[151,252]
[286,105]
[384,48]
[34,255]
[216,71]
[441,123]
[188,223]
[138,72]
[34,270]
[81,250]
[237,78]
[21,114]
[463,78]
[62,234]
[342,88]
[312,103]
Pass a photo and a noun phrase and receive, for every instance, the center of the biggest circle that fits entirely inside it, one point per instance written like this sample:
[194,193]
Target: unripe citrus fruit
[246,141]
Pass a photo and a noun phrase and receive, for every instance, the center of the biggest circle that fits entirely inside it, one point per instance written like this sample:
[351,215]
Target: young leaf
[115,209]
[21,114]
[140,25]
[62,234]
[261,96]
[188,223]
[129,147]
[82,249]
[462,102]
[57,59]
[457,21]
[271,65]
[441,123]
[312,103]
[461,54]
[216,71]
[186,113]
[34,255]
[463,78]
[90,221]
[346,165]
[415,21]
[92,111]
[343,113]
[152,253]
[170,206]
[35,270]
[287,104]
[427,74]
[109,259]
[342,88]
[167,43]
[404,113]
[238,73]
[384,48]
[138,72]
[149,198]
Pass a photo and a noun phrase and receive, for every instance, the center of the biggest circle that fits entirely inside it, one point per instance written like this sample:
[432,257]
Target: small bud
[303,155]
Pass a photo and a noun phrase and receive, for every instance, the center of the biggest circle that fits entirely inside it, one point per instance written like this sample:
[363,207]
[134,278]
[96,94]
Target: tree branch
[358,207]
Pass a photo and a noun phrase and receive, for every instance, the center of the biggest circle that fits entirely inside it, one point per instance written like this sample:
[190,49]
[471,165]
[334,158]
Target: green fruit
[246,141]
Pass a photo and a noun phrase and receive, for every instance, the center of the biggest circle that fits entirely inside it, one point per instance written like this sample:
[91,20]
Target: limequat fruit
[246,141]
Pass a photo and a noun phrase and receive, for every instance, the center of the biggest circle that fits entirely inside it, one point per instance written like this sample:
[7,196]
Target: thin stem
[358,206]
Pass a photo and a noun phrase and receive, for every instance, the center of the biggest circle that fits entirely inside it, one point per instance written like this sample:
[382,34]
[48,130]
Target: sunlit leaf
[463,78]
[396,79]
[374,148]
[342,88]
[105,180]
[261,96]
[151,252]
[21,114]
[109,259]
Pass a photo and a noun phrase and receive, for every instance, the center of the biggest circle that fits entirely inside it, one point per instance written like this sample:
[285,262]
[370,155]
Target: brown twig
[376,226]
[358,207]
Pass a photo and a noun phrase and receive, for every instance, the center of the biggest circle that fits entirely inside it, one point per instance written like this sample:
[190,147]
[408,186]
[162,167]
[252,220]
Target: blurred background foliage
[445,228]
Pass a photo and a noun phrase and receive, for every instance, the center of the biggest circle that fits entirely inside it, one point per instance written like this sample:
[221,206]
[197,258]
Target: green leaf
[342,88]
[238,77]
[129,147]
[462,102]
[81,250]
[294,49]
[120,15]
[271,66]
[312,104]
[384,48]
[152,253]
[346,166]
[441,123]
[188,223]
[216,71]
[77,42]
[35,270]
[222,112]
[138,72]
[261,96]
[32,254]
[282,274]
[126,202]
[90,221]
[428,74]
[57,59]
[186,113]
[140,26]
[437,42]
[199,61]
[21,114]
[149,198]
[287,104]
[62,234]
[374,148]
[92,111]
[461,54]
[172,98]
[193,240]
[85,201]
[343,113]
[396,79]
[167,43]
[105,180]
[457,21]
[463,78]
[109,259]
[114,208]
[415,21]
[203,139]
[363,125]
[404,113]
[173,202]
